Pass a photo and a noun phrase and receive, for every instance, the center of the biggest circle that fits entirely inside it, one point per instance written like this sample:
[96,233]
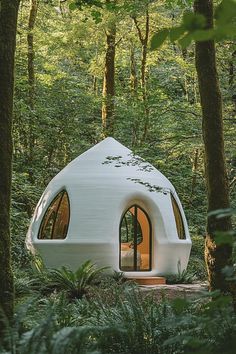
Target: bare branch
[119,40]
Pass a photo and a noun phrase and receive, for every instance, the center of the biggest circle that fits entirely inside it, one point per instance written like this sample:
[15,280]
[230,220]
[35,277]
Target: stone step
[149,280]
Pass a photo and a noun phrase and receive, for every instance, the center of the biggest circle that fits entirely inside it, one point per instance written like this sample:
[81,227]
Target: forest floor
[171,291]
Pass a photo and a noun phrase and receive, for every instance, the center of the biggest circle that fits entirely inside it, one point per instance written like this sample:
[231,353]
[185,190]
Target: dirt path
[190,291]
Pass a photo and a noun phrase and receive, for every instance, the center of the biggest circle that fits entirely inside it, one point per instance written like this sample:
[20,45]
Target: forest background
[84,71]
[60,61]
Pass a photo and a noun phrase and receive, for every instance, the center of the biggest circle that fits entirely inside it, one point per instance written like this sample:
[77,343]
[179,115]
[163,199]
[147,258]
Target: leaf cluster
[194,27]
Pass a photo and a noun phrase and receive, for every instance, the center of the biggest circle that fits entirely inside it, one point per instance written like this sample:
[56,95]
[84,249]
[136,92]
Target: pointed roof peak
[110,140]
[110,146]
[99,152]
[103,160]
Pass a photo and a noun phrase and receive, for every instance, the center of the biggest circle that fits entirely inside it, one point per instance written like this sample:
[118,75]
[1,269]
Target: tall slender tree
[133,72]
[31,81]
[217,256]
[31,55]
[108,92]
[143,37]
[8,24]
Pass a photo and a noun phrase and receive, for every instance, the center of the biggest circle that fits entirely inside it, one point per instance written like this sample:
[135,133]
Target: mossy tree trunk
[8,23]
[216,256]
[232,63]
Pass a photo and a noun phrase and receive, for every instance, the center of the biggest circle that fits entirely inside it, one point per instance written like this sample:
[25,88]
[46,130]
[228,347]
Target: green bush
[75,284]
[196,261]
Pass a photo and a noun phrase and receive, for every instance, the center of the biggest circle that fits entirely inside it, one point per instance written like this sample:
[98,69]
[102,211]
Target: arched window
[135,240]
[178,219]
[56,219]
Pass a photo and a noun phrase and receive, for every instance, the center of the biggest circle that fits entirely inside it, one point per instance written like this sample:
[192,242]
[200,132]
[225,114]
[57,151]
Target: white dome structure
[112,208]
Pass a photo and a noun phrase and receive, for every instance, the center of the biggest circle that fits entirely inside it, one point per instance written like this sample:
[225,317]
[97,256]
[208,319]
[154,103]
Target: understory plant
[75,284]
[133,323]
[182,277]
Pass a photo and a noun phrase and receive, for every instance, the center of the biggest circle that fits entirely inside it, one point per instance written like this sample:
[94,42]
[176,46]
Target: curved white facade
[102,184]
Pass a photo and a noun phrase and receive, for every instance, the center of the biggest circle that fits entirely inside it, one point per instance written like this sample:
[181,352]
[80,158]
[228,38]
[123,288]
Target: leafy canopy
[194,27]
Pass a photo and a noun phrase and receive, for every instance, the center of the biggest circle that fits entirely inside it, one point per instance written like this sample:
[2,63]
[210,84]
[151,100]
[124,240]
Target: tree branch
[138,29]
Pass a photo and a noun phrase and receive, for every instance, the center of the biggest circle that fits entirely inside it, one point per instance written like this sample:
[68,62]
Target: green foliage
[222,213]
[225,12]
[69,51]
[182,277]
[196,263]
[193,27]
[192,22]
[24,283]
[159,38]
[224,238]
[69,48]
[66,119]
[76,283]
[25,197]
[131,323]
[119,277]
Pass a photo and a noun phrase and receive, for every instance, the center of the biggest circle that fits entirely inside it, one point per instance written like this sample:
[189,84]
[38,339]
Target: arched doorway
[135,240]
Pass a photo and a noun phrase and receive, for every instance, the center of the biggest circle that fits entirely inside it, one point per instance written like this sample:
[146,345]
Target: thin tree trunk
[232,79]
[31,81]
[133,89]
[194,170]
[133,72]
[144,42]
[8,22]
[231,68]
[108,92]
[95,78]
[31,54]
[217,256]
[95,85]
[144,54]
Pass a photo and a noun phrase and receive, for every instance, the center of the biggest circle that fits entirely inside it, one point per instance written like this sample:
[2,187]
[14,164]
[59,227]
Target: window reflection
[135,240]
[178,219]
[56,219]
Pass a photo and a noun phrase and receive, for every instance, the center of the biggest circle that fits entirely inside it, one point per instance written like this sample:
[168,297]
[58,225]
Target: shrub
[76,284]
[182,277]
[196,262]
[133,323]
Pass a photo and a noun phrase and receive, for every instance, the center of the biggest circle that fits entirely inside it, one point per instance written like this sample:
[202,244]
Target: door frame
[136,207]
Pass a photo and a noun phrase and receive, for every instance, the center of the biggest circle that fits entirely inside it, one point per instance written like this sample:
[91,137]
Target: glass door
[135,240]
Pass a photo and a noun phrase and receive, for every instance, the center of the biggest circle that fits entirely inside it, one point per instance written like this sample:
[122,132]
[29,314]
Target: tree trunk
[144,54]
[30,41]
[217,256]
[231,80]
[108,92]
[194,170]
[31,82]
[133,73]
[8,22]
[95,85]
[144,42]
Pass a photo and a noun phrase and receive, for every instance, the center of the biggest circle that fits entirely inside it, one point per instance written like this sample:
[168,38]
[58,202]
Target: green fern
[182,277]
[76,283]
